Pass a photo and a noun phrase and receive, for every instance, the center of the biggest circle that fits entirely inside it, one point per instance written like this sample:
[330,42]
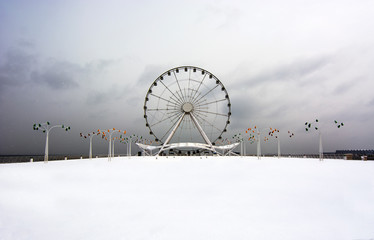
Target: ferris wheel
[187,104]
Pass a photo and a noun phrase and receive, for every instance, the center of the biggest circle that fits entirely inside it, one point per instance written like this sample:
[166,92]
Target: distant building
[358,153]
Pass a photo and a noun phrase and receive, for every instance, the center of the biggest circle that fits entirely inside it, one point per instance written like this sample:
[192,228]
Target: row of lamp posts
[253,134]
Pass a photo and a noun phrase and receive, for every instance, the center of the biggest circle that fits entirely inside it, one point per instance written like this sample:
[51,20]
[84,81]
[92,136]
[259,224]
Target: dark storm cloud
[242,108]
[66,75]
[103,97]
[267,95]
[21,65]
[16,68]
[36,89]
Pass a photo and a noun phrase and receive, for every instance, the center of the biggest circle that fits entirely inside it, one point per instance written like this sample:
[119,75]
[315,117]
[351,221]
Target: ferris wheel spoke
[196,101]
[164,119]
[173,113]
[180,101]
[198,88]
[218,114]
[210,124]
[201,109]
[176,79]
[188,86]
[180,89]
[173,106]
[174,121]
[201,115]
[191,95]
[161,109]
[168,101]
[186,94]
[204,104]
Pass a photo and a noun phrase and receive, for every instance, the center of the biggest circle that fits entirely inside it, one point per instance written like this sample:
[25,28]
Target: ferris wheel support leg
[171,134]
[203,133]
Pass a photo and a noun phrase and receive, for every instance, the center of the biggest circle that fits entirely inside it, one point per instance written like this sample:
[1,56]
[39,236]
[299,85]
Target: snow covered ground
[187,198]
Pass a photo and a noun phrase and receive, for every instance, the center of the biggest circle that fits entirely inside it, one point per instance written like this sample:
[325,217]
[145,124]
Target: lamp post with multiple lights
[107,135]
[46,127]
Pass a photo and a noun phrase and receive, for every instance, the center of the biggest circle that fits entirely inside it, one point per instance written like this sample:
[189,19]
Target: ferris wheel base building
[187,108]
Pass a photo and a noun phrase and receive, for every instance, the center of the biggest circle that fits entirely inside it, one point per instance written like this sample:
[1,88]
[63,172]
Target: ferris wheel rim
[187,106]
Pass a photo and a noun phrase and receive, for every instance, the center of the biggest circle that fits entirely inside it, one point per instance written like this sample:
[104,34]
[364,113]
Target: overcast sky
[89,64]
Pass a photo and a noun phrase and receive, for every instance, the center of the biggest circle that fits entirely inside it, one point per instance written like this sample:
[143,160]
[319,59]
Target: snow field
[187,198]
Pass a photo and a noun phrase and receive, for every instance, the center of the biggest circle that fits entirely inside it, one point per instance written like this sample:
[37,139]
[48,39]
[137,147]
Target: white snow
[187,198]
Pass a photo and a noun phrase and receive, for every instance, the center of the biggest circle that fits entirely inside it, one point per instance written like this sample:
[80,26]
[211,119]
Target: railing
[40,158]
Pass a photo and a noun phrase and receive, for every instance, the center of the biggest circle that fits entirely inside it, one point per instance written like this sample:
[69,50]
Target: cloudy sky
[89,64]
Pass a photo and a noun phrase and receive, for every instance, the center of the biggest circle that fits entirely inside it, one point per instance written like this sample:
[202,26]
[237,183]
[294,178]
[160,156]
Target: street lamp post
[110,132]
[314,125]
[253,132]
[46,127]
[114,140]
[239,138]
[90,136]
[252,137]
[128,142]
[275,133]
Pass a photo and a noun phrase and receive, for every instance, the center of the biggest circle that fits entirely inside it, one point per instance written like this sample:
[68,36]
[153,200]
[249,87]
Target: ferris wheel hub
[187,107]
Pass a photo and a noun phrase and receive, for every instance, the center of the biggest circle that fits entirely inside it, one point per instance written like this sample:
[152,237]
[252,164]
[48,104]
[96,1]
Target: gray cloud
[58,75]
[21,66]
[150,73]
[297,71]
[62,75]
[16,67]
[95,98]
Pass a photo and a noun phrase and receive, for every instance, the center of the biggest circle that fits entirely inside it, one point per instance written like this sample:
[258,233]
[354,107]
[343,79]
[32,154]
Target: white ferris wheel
[187,107]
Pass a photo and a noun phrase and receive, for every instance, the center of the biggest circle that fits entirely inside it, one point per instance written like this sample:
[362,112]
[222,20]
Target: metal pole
[245,149]
[279,148]
[46,146]
[320,147]
[113,147]
[110,147]
[90,153]
[259,145]
[241,149]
